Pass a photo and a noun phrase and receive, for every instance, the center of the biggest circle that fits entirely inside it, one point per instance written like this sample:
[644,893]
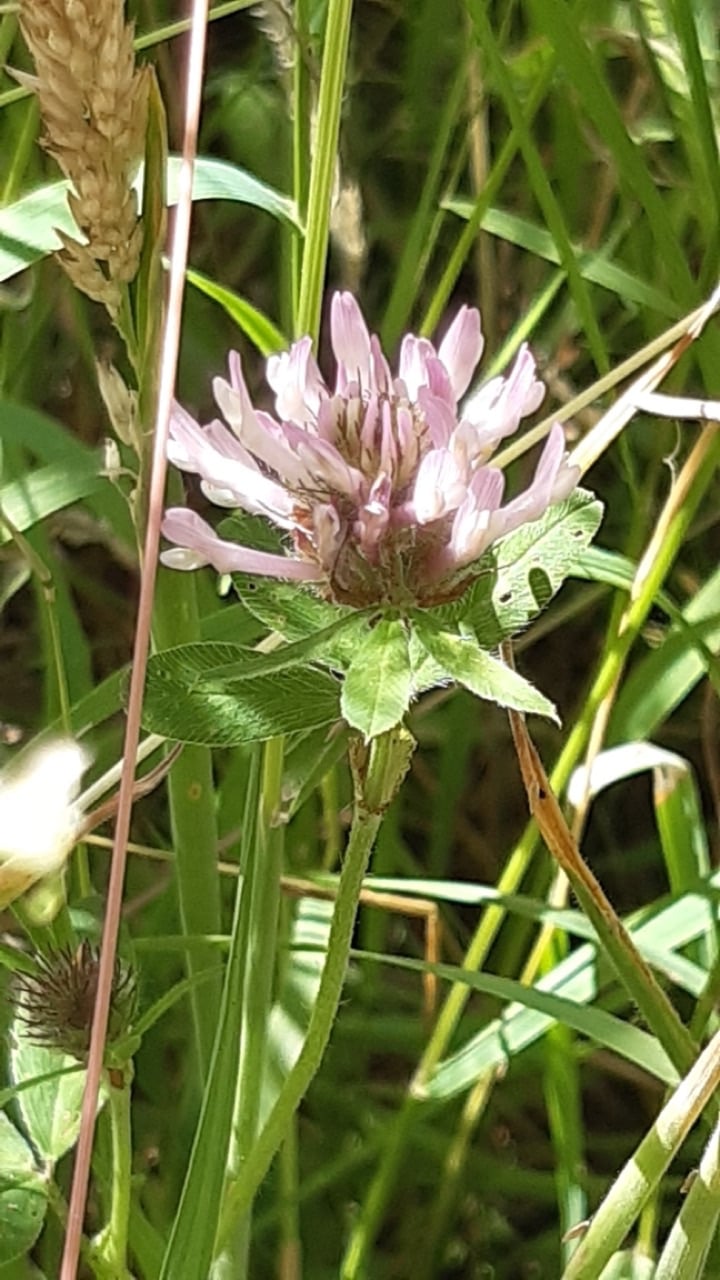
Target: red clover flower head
[382,485]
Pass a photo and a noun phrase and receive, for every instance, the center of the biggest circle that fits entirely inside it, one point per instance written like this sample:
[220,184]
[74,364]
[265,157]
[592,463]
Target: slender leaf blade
[256,326]
[43,492]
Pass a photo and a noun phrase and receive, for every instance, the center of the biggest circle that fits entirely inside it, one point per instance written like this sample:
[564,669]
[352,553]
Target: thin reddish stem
[170,347]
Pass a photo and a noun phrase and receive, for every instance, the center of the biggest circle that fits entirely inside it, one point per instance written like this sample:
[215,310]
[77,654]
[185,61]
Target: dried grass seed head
[93,104]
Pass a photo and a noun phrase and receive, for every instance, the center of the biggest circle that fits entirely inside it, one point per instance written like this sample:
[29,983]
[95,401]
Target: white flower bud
[120,402]
[39,819]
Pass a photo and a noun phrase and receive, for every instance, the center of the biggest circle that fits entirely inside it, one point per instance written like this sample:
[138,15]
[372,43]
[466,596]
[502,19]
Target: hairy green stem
[376,781]
[115,1239]
[240,1194]
[290,1250]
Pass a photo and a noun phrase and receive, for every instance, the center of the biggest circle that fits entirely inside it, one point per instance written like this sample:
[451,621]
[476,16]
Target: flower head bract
[55,1003]
[382,484]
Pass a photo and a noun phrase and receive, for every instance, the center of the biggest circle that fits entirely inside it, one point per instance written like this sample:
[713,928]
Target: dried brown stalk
[93,104]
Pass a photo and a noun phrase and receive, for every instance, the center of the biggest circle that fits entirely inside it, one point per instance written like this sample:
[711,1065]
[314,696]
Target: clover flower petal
[198,545]
[461,349]
[380,482]
[350,343]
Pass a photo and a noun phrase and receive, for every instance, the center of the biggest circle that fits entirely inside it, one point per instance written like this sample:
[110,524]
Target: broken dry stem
[631,968]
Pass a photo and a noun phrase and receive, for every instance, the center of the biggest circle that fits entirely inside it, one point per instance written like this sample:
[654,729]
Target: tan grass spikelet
[93,104]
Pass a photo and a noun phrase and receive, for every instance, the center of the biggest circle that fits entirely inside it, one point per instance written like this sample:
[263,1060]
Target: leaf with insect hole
[519,576]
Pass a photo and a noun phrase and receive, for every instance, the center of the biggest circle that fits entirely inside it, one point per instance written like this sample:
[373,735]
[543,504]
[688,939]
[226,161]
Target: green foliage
[528,568]
[179,706]
[557,162]
[28,227]
[23,1194]
[222,697]
[50,1109]
[462,659]
[378,683]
